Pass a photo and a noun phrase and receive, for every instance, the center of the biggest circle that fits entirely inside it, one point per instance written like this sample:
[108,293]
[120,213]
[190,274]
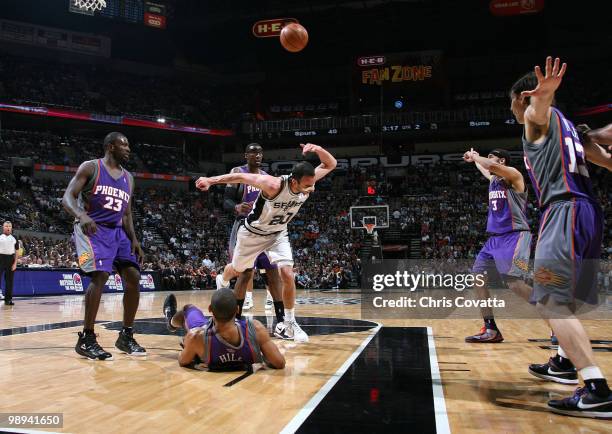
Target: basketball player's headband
[501,153]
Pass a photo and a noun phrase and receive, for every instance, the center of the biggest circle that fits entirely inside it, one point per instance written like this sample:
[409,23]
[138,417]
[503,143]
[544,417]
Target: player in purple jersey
[507,251]
[99,197]
[221,342]
[569,242]
[238,200]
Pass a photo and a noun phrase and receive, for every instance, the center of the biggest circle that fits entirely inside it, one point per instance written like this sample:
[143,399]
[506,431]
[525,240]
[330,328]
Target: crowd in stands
[47,148]
[185,234]
[100,89]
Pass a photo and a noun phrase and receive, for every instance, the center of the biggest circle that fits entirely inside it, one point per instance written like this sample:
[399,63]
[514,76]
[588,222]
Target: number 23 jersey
[270,216]
[105,198]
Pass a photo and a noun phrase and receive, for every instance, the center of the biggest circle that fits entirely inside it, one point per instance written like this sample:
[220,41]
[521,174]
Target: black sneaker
[9,303]
[127,344]
[583,404]
[87,346]
[170,311]
[552,372]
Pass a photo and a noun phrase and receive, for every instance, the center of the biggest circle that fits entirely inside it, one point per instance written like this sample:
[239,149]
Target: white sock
[290,314]
[561,352]
[249,295]
[590,372]
[269,296]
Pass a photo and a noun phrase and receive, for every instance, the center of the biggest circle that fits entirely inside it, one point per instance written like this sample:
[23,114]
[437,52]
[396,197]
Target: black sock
[490,324]
[598,386]
[127,330]
[88,331]
[279,310]
[563,362]
[240,303]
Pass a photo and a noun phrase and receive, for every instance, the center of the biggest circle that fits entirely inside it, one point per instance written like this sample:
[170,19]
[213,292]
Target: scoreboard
[415,129]
[131,11]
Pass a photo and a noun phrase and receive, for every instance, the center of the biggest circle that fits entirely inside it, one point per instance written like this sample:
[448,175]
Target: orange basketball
[294,37]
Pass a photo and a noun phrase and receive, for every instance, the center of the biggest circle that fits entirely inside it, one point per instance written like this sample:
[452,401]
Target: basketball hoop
[90,5]
[369,227]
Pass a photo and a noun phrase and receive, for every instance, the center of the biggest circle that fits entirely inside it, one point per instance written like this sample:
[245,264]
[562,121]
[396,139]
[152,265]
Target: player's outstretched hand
[469,155]
[550,81]
[309,147]
[203,183]
[88,226]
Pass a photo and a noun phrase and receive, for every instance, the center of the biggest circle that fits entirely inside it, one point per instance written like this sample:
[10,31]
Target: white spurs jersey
[270,216]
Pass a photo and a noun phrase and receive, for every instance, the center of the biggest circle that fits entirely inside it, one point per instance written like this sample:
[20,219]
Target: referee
[8,260]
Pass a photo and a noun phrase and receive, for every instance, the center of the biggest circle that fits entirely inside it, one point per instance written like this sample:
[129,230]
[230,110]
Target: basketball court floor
[353,376]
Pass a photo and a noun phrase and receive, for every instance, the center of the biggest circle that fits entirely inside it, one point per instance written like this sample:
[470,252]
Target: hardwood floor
[486,387]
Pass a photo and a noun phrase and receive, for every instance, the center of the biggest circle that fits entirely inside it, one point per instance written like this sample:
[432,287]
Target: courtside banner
[32,282]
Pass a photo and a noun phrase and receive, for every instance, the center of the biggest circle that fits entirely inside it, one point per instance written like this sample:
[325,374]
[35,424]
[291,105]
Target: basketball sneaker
[290,330]
[127,344]
[220,282]
[248,303]
[486,336]
[87,346]
[583,403]
[552,372]
[269,302]
[170,311]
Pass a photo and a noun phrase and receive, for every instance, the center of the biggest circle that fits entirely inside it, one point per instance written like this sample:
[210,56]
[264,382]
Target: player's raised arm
[69,200]
[328,162]
[537,114]
[469,158]
[510,174]
[272,355]
[270,185]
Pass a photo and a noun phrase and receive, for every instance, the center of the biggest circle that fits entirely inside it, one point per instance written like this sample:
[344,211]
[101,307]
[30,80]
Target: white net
[369,223]
[90,5]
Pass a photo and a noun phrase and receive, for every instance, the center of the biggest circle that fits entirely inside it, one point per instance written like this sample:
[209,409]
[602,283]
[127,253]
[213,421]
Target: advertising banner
[32,282]
[409,76]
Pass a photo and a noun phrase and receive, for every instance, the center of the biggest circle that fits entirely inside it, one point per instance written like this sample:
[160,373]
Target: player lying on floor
[221,342]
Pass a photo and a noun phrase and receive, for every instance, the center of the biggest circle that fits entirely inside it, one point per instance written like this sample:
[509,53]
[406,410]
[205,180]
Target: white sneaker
[2,296]
[299,335]
[290,330]
[219,280]
[248,304]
